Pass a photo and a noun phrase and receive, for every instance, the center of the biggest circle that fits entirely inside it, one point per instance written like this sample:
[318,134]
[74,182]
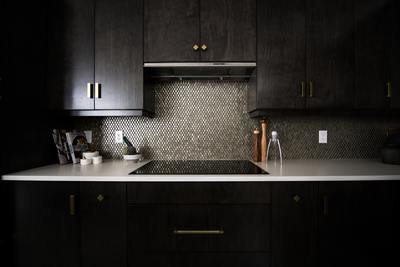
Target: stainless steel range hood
[200,70]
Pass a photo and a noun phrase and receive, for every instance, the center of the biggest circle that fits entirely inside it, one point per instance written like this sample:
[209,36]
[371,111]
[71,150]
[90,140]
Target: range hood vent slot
[200,71]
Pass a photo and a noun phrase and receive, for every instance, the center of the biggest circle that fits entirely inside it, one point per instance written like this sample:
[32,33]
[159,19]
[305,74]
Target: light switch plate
[118,137]
[323,137]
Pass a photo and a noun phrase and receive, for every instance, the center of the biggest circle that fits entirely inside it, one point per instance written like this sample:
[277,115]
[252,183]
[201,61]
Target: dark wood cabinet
[185,224]
[395,56]
[357,224]
[46,224]
[228,29]
[280,56]
[330,54]
[171,29]
[305,53]
[119,54]
[103,224]
[372,42]
[199,30]
[70,54]
[293,237]
[96,58]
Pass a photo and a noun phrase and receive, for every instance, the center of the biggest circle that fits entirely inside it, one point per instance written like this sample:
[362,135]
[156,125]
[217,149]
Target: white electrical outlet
[323,137]
[118,137]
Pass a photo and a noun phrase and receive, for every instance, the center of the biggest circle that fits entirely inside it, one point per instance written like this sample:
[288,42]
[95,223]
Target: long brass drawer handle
[72,205]
[303,89]
[389,89]
[311,89]
[199,232]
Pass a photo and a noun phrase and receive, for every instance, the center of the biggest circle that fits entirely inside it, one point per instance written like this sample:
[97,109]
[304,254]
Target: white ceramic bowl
[134,158]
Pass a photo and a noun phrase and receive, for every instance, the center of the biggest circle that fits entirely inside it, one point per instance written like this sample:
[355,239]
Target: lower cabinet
[103,224]
[277,224]
[46,232]
[358,224]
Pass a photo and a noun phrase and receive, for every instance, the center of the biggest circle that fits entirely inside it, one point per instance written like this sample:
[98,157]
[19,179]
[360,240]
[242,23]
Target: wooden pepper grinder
[256,145]
[263,140]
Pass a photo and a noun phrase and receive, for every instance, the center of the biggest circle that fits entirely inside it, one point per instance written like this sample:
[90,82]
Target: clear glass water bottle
[274,151]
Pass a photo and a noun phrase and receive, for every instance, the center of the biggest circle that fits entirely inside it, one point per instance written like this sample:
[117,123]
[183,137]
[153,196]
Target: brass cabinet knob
[100,198]
[297,198]
[195,47]
[204,47]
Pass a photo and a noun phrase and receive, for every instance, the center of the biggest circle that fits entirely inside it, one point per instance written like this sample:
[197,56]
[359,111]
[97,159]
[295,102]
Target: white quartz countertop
[292,170]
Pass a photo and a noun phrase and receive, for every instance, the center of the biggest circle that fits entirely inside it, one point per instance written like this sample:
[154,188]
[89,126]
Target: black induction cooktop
[199,167]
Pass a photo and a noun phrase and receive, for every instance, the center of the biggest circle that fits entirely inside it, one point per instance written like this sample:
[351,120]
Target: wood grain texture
[330,53]
[171,28]
[372,39]
[70,54]
[280,54]
[359,224]
[199,193]
[228,28]
[200,259]
[395,54]
[246,227]
[293,225]
[103,224]
[46,234]
[119,54]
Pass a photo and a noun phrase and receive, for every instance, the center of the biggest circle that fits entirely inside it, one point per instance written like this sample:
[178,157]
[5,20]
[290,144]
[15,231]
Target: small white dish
[134,158]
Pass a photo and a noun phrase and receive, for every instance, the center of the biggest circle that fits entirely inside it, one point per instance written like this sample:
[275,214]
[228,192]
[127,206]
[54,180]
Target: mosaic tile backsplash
[208,120]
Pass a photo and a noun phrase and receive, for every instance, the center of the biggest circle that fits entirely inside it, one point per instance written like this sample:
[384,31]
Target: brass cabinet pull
[325,205]
[204,47]
[199,232]
[389,89]
[195,47]
[303,89]
[72,205]
[89,89]
[97,90]
[297,198]
[100,198]
[311,93]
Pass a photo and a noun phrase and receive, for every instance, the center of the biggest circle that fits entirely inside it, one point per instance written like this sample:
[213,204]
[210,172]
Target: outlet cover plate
[323,136]
[118,137]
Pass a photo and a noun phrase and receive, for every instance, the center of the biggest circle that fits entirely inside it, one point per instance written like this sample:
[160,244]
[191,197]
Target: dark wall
[25,125]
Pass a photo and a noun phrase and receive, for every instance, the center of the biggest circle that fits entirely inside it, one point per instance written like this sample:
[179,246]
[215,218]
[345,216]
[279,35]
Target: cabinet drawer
[198,193]
[199,228]
[199,259]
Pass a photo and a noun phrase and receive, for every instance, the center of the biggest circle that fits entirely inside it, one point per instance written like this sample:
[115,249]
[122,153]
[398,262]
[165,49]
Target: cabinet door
[228,29]
[280,54]
[373,27]
[330,54]
[119,54]
[293,224]
[103,224]
[357,224]
[46,224]
[395,55]
[70,54]
[171,28]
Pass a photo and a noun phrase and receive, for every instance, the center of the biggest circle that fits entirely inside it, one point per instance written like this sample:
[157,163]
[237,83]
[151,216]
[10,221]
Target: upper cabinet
[304,55]
[200,30]
[377,54]
[96,57]
[335,55]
